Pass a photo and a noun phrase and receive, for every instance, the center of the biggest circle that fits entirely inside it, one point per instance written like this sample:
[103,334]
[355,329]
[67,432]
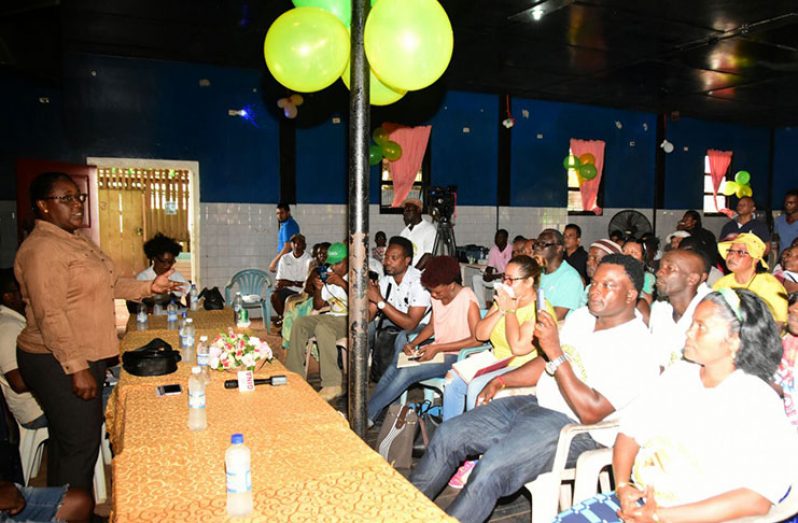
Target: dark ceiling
[715,59]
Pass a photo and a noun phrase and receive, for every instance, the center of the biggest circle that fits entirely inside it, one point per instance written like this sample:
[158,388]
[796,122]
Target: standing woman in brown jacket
[69,285]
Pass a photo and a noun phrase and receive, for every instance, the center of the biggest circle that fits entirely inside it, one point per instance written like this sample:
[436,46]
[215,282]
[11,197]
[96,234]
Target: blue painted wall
[540,143]
[149,109]
[684,169]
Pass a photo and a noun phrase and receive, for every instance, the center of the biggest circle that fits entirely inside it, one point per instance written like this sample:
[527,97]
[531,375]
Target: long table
[307,465]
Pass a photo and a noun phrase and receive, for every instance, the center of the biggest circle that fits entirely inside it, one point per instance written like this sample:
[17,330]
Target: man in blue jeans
[598,364]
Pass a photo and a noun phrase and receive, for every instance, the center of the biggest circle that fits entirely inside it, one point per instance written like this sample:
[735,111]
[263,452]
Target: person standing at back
[419,231]
[575,254]
[786,225]
[746,222]
[288,228]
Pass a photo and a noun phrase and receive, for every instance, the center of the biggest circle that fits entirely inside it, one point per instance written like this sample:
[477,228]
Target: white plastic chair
[548,496]
[31,447]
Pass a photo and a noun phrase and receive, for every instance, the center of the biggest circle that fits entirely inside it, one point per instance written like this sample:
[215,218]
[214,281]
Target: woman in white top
[710,440]
[162,251]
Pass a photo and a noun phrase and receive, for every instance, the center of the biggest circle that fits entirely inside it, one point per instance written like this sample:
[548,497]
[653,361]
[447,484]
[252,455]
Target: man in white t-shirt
[419,231]
[681,280]
[23,405]
[292,271]
[596,366]
[331,290]
[398,299]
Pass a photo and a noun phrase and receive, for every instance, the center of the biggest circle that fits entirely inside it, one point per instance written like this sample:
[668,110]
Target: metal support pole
[358,220]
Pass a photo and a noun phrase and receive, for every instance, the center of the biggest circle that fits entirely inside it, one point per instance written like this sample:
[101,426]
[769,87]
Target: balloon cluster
[289,105]
[408,44]
[740,186]
[383,147]
[584,165]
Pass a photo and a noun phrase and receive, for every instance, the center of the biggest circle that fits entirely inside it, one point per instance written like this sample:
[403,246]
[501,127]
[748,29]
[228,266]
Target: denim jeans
[395,381]
[459,397]
[517,440]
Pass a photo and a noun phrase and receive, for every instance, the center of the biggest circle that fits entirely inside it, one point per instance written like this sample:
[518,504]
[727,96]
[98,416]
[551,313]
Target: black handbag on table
[154,359]
[213,299]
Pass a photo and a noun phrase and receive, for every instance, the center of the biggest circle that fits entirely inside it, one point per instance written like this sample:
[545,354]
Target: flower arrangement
[233,351]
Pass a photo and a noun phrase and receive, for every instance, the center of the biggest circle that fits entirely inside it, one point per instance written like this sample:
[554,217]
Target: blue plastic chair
[252,281]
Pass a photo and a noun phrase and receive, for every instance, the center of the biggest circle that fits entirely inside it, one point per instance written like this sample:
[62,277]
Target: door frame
[194,196]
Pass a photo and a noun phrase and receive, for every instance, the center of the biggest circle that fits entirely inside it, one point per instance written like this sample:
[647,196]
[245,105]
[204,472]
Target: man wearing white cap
[419,231]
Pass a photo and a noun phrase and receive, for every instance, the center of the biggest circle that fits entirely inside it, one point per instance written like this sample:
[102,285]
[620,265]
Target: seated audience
[561,283]
[378,251]
[397,301]
[41,504]
[786,225]
[319,254]
[455,314]
[617,237]
[709,441]
[746,222]
[519,242]
[575,254]
[692,244]
[637,250]
[691,222]
[674,239]
[597,365]
[330,290]
[498,256]
[788,368]
[787,273]
[162,251]
[508,325]
[598,250]
[680,287]
[292,270]
[23,405]
[744,258]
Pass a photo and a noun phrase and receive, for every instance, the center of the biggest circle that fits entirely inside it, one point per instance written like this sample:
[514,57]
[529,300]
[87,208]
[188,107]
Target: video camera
[441,202]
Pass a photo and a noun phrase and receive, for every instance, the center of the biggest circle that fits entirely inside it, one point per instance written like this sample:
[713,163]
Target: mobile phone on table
[168,390]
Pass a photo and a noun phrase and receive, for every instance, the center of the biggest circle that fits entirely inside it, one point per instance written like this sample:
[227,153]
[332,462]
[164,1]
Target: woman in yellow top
[743,257]
[509,325]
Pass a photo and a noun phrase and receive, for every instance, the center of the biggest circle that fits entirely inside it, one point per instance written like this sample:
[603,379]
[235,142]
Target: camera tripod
[444,240]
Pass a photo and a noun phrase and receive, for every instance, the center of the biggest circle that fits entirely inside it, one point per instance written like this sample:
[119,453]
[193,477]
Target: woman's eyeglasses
[507,279]
[736,252]
[68,199]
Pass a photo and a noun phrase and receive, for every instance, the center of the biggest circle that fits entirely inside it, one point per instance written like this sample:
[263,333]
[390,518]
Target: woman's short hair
[42,186]
[760,345]
[441,270]
[160,244]
[530,266]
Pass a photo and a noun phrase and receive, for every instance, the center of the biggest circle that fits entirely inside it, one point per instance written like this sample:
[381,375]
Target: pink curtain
[403,171]
[590,188]
[719,162]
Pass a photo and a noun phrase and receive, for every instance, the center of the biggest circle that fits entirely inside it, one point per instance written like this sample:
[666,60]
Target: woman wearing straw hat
[743,257]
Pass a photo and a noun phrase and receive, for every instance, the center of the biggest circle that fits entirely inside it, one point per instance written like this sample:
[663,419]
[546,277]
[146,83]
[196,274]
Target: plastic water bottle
[187,334]
[157,310]
[203,357]
[193,297]
[238,304]
[197,416]
[239,479]
[171,315]
[142,319]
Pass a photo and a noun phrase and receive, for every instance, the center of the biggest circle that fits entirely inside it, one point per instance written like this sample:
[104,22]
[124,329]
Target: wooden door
[121,224]
[83,175]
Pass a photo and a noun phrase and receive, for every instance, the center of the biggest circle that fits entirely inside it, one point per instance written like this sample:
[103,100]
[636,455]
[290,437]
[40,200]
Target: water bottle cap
[237,438]
[188,320]
[196,370]
[203,338]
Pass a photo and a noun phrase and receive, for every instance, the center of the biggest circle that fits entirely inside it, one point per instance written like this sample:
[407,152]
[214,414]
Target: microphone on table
[279,379]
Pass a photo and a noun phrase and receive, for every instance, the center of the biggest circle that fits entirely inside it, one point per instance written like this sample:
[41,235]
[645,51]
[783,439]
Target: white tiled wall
[236,236]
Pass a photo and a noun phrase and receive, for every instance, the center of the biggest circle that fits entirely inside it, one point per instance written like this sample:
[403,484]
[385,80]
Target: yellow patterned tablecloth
[307,465]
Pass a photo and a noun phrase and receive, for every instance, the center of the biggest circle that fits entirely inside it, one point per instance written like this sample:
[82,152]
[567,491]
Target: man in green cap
[330,289]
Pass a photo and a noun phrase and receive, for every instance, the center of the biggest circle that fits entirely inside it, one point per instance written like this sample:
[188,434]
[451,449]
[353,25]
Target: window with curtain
[576,204]
[420,185]
[709,198]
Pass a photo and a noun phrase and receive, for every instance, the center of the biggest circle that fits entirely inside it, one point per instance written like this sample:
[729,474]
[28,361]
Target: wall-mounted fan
[630,223]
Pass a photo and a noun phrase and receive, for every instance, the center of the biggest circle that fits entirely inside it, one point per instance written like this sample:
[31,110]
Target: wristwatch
[553,365]
[381,304]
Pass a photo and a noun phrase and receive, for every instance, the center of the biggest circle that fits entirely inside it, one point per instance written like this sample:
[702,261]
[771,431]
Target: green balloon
[408,42]
[306,49]
[391,150]
[340,8]
[379,93]
[380,135]
[375,154]
[588,171]
[742,177]
[571,162]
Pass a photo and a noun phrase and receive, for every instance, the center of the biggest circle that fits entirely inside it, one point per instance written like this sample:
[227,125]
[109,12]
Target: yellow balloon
[306,49]
[379,93]
[730,188]
[746,190]
[408,42]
